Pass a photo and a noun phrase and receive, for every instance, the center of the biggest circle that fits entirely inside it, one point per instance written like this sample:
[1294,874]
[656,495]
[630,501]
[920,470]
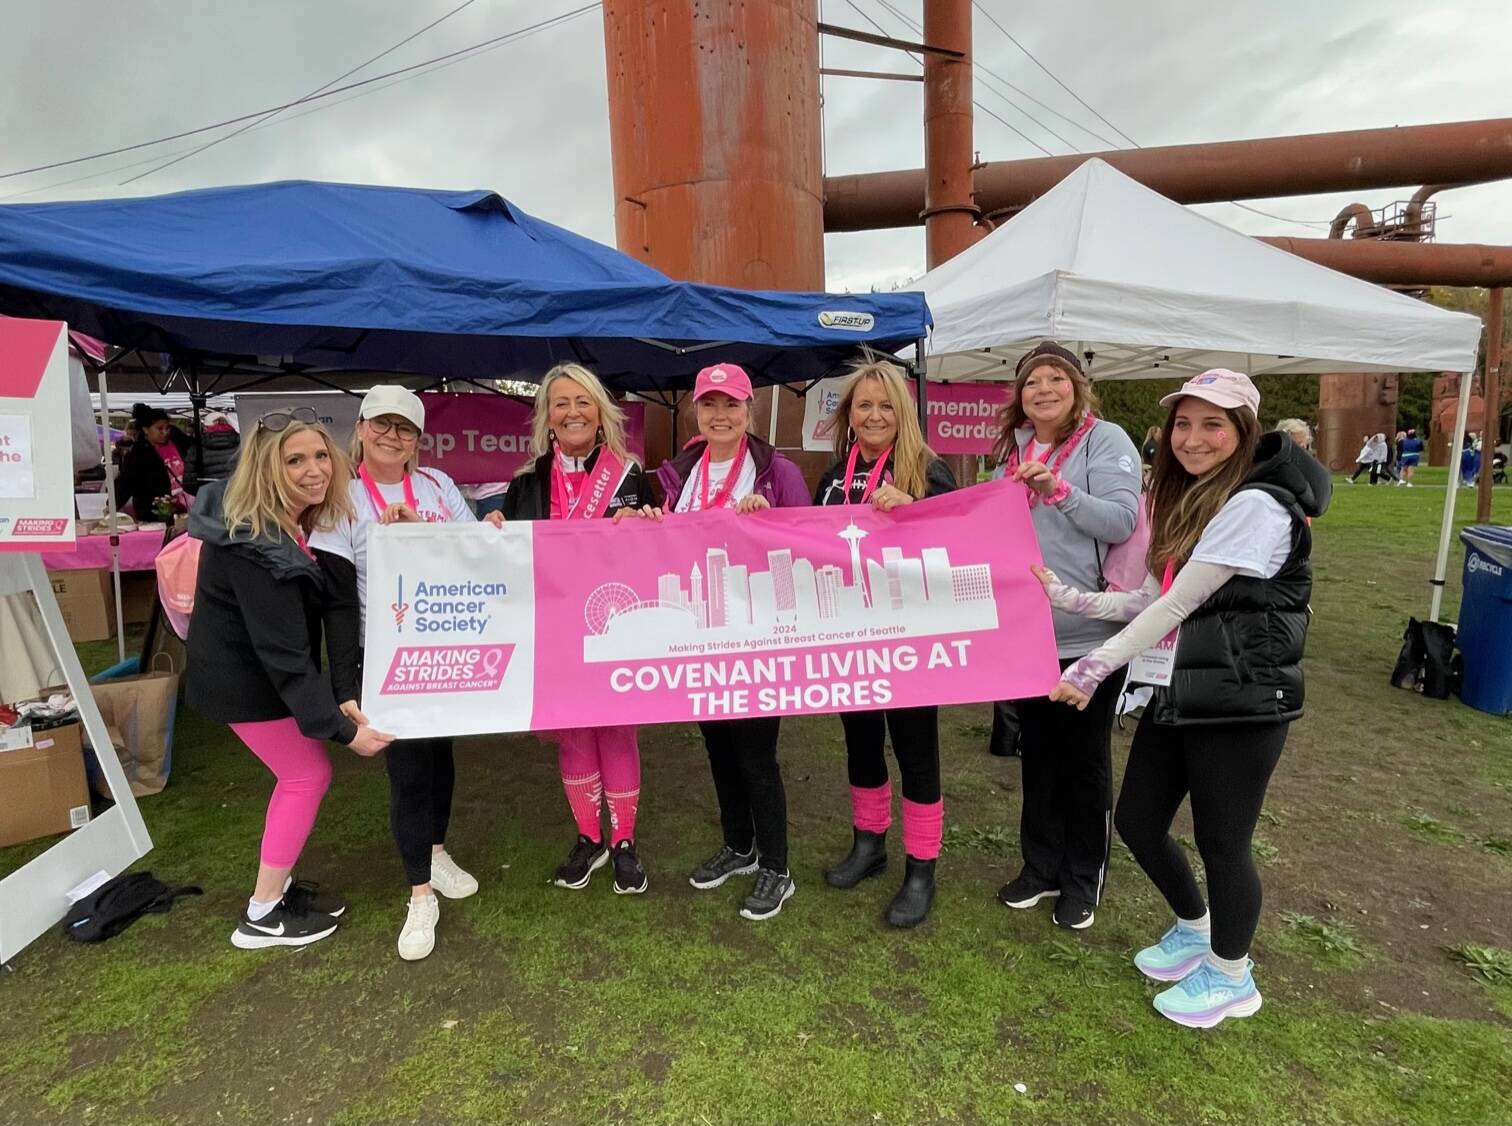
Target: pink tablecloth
[138,550]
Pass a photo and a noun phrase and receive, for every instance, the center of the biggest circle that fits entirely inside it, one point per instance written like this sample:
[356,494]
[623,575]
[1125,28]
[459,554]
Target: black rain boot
[910,906]
[868,857]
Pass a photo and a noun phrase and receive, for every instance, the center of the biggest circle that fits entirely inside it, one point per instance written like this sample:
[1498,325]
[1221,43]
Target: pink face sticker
[1220,438]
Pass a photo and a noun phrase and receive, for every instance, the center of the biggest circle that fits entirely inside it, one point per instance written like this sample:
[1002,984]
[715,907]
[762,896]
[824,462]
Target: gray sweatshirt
[1104,474]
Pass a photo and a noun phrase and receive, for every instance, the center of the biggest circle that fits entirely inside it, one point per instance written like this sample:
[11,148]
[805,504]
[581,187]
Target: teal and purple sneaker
[1207,995]
[1179,952]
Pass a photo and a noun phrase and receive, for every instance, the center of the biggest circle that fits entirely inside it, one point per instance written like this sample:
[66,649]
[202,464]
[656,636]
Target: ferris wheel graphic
[605,603]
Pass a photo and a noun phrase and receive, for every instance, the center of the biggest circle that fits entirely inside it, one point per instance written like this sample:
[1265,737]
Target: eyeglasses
[275,421]
[404,431]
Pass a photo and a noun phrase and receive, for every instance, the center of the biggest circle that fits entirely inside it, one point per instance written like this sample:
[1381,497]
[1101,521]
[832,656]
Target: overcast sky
[528,118]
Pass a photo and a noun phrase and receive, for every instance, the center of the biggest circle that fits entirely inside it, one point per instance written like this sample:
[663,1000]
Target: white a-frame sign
[36,513]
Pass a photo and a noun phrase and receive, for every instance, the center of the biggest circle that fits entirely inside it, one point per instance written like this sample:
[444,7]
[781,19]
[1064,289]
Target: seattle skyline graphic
[720,605]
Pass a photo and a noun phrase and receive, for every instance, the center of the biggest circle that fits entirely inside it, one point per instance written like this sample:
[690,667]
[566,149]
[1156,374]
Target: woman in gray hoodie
[1083,475]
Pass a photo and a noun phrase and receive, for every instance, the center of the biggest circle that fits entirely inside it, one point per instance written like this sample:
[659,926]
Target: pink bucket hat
[1222,388]
[729,378]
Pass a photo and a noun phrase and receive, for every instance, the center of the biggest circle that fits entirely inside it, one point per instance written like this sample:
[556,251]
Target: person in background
[263,598]
[1470,459]
[155,479]
[1150,447]
[1298,431]
[389,488]
[1083,478]
[727,466]
[486,497]
[881,460]
[1231,546]
[582,471]
[1411,452]
[1371,456]
[219,442]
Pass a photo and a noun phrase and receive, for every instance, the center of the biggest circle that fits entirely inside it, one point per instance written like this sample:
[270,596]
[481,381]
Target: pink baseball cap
[729,378]
[1222,388]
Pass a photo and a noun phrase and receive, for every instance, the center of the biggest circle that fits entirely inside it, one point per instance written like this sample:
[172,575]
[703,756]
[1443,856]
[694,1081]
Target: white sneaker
[418,938]
[450,880]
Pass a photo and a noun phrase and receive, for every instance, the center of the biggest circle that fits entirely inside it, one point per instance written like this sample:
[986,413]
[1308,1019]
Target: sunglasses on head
[275,421]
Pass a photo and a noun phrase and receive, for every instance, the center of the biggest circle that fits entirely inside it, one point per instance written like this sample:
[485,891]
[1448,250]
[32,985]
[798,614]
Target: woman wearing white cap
[390,487]
[727,466]
[1230,545]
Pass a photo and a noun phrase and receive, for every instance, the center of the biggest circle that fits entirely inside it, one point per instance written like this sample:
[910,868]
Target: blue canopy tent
[319,279]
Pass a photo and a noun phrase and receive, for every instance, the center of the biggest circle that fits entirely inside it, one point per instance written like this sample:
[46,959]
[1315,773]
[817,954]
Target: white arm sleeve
[1194,586]
[1108,605]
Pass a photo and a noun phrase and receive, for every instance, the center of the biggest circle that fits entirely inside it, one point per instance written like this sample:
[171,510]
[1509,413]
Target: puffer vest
[1239,656]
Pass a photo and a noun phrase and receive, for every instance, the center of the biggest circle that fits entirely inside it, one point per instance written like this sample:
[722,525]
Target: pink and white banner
[535,626]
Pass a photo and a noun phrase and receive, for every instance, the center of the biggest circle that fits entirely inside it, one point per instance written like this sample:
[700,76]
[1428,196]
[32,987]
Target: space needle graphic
[794,601]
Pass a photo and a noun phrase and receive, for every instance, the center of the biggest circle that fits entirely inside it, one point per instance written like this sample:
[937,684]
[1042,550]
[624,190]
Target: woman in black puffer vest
[1230,581]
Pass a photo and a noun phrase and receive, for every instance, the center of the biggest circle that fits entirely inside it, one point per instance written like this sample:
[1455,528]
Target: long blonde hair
[911,455]
[258,496]
[611,414]
[1012,416]
[1182,506]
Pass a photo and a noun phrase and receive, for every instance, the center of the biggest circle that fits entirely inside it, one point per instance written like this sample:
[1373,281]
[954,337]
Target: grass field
[1385,951]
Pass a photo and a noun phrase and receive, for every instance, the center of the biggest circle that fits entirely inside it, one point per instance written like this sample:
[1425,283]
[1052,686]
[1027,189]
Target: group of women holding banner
[1224,545]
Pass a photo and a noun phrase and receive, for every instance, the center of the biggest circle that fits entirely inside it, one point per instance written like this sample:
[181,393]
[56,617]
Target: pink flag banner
[709,615]
[959,418]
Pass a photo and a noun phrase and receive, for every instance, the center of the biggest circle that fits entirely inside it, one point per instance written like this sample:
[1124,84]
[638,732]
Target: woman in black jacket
[881,460]
[582,471]
[1220,633]
[254,637]
[155,468]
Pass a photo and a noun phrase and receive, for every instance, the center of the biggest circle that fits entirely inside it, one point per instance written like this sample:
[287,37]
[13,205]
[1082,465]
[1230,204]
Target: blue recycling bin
[1485,621]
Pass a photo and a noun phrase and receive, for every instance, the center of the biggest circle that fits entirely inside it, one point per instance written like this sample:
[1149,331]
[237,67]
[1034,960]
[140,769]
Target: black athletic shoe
[629,876]
[586,858]
[721,866]
[306,895]
[288,924]
[773,889]
[1022,891]
[1073,913]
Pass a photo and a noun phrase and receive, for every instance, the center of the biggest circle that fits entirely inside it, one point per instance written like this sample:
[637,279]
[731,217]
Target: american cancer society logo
[456,613]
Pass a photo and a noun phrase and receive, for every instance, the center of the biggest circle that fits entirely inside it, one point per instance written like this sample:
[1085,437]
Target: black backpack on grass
[116,904]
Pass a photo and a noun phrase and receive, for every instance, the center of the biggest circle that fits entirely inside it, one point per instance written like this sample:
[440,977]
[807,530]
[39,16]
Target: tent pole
[110,513]
[1446,526]
[197,406]
[921,370]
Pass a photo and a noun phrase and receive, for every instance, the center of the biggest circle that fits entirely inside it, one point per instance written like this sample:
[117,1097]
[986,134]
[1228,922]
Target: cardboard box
[87,600]
[43,788]
[138,595]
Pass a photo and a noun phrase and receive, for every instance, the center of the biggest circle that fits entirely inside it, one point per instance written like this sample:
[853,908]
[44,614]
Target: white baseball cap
[1221,387]
[389,398]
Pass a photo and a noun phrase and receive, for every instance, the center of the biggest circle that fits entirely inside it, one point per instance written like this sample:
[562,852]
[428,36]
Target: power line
[994,21]
[507,36]
[339,78]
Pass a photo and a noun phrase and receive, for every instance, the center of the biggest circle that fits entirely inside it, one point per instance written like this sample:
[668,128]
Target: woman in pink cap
[727,466]
[1229,587]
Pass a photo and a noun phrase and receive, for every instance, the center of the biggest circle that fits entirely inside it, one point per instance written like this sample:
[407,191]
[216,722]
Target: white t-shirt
[437,499]
[1252,533]
[691,499]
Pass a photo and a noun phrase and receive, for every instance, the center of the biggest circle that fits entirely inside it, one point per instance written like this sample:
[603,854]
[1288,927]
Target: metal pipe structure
[949,214]
[1459,152]
[1362,217]
[1491,424]
[1387,262]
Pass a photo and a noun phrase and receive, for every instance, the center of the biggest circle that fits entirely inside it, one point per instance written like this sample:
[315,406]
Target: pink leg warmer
[577,755]
[871,807]
[303,772]
[619,759]
[922,824]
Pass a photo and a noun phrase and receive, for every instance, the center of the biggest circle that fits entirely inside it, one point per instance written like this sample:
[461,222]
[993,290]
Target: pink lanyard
[565,496]
[379,504]
[728,485]
[1165,582]
[873,479]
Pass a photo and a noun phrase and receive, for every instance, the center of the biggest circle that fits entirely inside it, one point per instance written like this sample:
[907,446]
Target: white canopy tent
[1142,287]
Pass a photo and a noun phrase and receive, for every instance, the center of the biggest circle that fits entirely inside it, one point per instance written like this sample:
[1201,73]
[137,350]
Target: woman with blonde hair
[881,459]
[262,597]
[582,471]
[1083,475]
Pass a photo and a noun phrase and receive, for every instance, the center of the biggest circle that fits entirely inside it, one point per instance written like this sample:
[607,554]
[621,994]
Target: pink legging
[303,770]
[600,763]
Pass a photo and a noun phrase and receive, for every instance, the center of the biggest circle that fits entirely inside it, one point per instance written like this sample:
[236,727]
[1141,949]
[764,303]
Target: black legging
[915,742]
[1067,755]
[1361,466]
[1225,768]
[748,783]
[422,775]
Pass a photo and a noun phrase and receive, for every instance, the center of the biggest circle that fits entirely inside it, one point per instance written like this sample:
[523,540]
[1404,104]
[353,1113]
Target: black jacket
[529,495]
[218,449]
[144,477]
[1239,656]
[254,636]
[938,479]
